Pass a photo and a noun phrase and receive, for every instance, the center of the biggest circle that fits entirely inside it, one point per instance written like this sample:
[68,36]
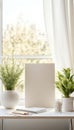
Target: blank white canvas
[39,85]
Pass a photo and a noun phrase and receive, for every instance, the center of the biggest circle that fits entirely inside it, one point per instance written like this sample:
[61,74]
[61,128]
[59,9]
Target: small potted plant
[65,83]
[10,74]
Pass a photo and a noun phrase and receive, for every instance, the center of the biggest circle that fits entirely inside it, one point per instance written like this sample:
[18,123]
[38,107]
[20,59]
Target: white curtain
[59,21]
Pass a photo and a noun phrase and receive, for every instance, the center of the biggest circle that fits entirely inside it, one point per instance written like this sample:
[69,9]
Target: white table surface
[50,113]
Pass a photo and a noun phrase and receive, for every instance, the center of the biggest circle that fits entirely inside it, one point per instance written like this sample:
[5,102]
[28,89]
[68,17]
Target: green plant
[65,82]
[10,75]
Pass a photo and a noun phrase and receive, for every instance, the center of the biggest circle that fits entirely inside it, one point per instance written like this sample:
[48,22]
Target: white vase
[10,99]
[67,104]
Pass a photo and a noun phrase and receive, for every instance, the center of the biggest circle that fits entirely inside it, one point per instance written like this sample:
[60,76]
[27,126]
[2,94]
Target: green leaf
[65,81]
[10,75]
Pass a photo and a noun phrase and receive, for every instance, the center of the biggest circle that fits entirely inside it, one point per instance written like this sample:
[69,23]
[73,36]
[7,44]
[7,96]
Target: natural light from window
[30,11]
[24,34]
[23,26]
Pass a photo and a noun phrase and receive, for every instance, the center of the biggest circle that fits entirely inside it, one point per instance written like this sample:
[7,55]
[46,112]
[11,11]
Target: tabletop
[50,113]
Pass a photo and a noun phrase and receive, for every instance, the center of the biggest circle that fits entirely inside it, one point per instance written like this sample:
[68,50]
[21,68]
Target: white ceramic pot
[67,104]
[10,99]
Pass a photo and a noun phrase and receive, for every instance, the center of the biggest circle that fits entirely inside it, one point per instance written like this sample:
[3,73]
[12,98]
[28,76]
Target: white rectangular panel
[39,85]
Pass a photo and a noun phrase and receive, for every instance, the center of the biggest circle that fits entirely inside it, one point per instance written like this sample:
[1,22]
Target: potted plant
[65,83]
[10,74]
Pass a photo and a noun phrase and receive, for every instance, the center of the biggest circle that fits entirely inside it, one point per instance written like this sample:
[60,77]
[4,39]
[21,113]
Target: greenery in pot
[65,82]
[10,75]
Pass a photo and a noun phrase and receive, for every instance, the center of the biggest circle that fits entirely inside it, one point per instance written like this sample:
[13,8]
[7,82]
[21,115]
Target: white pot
[10,99]
[67,104]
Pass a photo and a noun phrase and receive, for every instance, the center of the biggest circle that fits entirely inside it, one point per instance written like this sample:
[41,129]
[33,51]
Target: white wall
[36,124]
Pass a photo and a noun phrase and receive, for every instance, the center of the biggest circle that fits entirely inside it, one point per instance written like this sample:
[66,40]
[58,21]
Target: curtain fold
[59,22]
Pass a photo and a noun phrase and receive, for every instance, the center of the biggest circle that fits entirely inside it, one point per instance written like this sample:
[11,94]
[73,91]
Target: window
[24,34]
[23,28]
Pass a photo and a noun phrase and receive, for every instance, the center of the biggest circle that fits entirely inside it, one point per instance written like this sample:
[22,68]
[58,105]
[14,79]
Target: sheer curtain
[59,21]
